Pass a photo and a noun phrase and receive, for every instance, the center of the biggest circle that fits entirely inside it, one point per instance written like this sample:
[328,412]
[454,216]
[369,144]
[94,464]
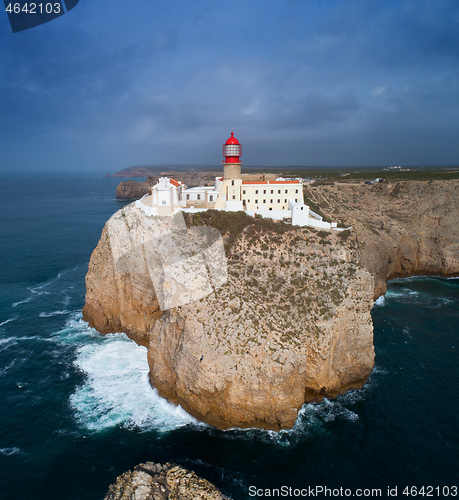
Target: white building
[164,199]
[277,199]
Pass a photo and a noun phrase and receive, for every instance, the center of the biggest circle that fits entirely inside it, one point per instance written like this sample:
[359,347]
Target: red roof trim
[174,182]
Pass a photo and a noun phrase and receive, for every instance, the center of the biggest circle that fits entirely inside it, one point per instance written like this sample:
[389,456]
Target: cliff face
[152,481]
[133,190]
[403,229]
[291,324]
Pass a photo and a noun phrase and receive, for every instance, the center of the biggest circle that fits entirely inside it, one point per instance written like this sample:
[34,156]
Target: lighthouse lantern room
[232,150]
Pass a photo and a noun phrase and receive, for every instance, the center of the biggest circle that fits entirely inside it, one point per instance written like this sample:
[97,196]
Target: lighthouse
[232,152]
[232,179]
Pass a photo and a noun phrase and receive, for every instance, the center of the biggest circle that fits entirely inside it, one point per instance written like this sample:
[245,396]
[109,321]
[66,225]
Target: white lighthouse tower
[232,180]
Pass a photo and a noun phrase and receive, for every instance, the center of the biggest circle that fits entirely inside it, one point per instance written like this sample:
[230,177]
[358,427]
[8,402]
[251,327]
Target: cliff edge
[291,324]
[403,228]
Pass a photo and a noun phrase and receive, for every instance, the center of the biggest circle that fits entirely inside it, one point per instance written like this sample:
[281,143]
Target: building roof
[174,182]
[232,139]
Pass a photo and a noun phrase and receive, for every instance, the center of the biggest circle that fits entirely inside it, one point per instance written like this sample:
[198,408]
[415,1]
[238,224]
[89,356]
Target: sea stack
[292,323]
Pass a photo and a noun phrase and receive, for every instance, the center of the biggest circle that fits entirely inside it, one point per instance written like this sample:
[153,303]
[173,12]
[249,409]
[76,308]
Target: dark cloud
[318,82]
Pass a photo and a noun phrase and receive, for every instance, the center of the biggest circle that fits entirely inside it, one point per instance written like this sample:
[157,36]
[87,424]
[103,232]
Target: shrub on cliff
[344,235]
[235,223]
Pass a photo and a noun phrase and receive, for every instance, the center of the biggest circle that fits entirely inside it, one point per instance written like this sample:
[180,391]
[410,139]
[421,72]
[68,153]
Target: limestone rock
[404,228]
[150,481]
[133,190]
[292,324]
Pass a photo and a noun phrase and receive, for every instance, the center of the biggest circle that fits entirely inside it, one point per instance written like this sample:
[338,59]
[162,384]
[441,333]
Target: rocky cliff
[133,190]
[152,481]
[292,323]
[403,228]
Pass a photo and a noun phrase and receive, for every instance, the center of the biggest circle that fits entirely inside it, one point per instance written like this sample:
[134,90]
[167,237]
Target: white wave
[11,451]
[9,320]
[117,390]
[377,370]
[54,313]
[38,290]
[28,299]
[329,410]
[76,332]
[311,421]
[8,342]
[67,297]
[401,293]
[380,301]
[4,371]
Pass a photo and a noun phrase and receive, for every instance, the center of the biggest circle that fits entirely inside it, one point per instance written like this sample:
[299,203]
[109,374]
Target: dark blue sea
[77,410]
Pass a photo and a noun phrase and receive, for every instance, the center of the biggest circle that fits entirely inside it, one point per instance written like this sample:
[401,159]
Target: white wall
[270,214]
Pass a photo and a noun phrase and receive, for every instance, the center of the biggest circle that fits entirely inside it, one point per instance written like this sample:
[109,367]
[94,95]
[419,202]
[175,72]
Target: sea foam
[11,451]
[117,391]
[380,301]
[9,320]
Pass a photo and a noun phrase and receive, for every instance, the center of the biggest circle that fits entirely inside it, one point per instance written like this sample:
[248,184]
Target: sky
[113,83]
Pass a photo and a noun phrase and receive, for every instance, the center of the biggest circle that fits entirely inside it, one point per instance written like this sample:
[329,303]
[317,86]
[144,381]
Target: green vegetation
[344,235]
[235,223]
[328,175]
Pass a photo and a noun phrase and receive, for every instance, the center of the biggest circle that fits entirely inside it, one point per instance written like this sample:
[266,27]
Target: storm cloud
[325,82]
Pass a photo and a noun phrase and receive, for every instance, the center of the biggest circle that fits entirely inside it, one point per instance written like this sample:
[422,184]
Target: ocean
[77,409]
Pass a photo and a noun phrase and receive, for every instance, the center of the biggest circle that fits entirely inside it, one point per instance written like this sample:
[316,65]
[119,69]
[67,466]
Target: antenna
[231,126]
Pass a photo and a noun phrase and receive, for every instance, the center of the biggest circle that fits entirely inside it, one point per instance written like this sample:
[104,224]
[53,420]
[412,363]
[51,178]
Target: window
[163,202]
[243,192]
[187,196]
[270,208]
[264,191]
[248,201]
[264,201]
[270,201]
[296,200]
[234,197]
[243,202]
[286,191]
[199,196]
[278,201]
[272,191]
[256,192]
[285,201]
[211,198]
[256,201]
[296,191]
[232,183]
[278,192]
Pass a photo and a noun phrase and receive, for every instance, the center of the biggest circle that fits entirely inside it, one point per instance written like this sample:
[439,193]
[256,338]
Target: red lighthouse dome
[232,150]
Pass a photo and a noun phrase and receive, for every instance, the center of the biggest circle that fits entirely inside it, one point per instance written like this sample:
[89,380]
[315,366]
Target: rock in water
[292,323]
[152,481]
[133,190]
